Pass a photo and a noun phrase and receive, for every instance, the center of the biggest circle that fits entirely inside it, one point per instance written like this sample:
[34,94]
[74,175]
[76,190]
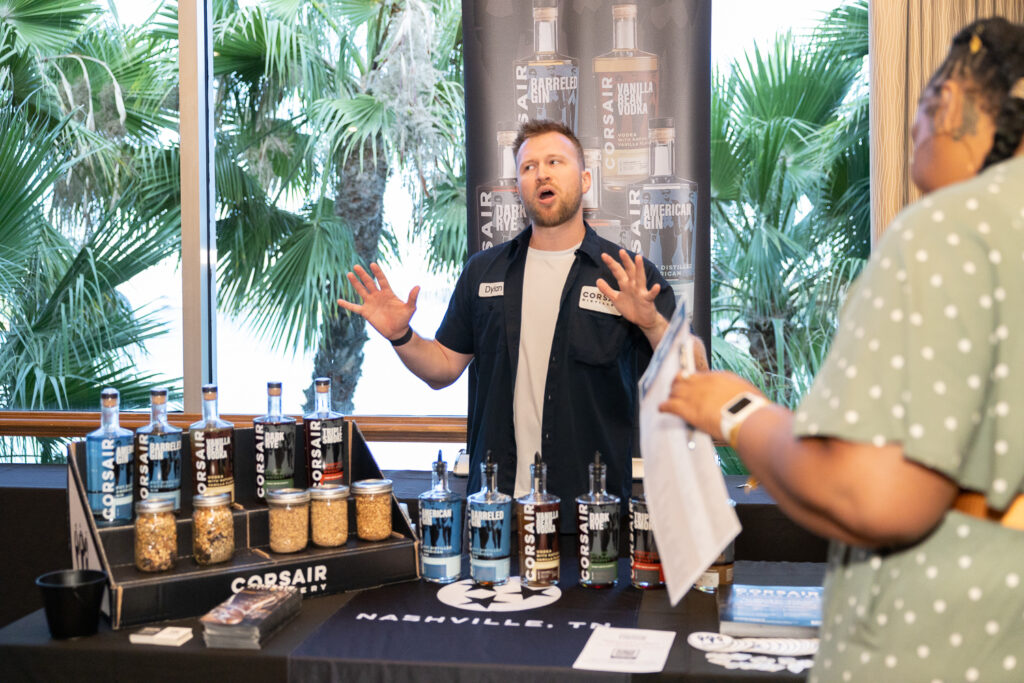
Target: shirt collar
[591,247]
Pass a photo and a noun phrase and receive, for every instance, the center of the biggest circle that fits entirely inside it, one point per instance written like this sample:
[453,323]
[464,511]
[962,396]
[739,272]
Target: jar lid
[151,505]
[368,486]
[329,492]
[211,500]
[287,496]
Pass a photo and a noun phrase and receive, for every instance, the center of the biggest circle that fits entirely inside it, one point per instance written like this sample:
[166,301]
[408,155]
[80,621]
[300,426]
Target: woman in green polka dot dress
[920,402]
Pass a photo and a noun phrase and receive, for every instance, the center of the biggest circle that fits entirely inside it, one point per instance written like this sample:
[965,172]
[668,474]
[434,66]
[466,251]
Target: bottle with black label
[500,214]
[547,84]
[158,454]
[538,529]
[644,561]
[598,516]
[626,87]
[274,435]
[440,528]
[325,438]
[661,209]
[490,533]
[108,465]
[213,450]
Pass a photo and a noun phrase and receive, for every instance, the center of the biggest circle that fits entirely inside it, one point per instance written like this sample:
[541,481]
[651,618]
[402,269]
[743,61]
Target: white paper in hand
[686,494]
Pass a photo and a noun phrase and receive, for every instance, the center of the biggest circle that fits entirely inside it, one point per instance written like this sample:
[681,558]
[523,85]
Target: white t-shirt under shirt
[543,281]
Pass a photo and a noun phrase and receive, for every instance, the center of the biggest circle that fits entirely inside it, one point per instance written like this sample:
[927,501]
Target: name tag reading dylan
[592,299]
[489,289]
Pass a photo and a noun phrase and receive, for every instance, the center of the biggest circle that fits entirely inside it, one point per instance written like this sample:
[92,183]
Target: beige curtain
[908,39]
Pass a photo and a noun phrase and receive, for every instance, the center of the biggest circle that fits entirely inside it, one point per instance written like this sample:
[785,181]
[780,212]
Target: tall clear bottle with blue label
[547,83]
[109,464]
[598,515]
[440,528]
[158,454]
[490,530]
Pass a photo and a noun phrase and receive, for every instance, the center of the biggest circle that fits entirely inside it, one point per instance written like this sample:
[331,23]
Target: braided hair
[989,54]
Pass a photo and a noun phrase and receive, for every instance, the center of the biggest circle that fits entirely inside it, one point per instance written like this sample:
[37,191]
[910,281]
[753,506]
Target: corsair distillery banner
[633,81]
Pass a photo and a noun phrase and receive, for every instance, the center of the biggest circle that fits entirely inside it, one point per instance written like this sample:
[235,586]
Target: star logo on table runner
[511,597]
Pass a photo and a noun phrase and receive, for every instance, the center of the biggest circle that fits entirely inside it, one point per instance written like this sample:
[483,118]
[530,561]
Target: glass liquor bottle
[661,209]
[644,561]
[598,517]
[158,454]
[626,87]
[538,529]
[604,224]
[440,528]
[547,83]
[108,465]
[213,449]
[274,435]
[490,519]
[325,438]
[500,214]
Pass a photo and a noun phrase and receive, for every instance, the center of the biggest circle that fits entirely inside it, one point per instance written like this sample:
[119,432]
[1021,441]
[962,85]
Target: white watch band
[736,411]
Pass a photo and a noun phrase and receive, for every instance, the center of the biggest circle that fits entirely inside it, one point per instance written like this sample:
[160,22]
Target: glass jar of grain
[373,508]
[213,529]
[156,535]
[329,511]
[289,519]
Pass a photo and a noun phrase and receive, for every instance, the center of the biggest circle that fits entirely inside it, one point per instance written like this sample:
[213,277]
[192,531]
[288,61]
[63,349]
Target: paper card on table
[626,650]
[686,494]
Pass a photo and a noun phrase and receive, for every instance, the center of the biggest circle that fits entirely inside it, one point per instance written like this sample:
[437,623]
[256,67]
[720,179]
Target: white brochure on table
[686,494]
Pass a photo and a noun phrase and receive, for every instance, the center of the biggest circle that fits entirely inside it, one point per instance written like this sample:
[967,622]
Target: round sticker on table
[511,597]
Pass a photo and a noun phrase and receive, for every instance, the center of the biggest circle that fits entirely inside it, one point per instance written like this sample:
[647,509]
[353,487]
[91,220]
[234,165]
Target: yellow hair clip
[975,44]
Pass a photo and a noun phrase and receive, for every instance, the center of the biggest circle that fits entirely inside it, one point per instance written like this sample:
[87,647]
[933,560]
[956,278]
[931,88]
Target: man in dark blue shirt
[556,351]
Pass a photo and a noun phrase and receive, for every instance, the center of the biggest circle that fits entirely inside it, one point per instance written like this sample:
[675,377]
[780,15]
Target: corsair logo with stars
[510,597]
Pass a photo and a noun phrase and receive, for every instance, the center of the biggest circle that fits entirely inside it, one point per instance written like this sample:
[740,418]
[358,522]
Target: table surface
[28,653]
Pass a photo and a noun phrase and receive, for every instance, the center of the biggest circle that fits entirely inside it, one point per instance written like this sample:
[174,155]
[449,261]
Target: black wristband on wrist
[404,339]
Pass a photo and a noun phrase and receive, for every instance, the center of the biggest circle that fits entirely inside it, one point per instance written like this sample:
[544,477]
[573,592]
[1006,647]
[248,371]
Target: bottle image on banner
[661,209]
[108,465]
[626,88]
[440,528]
[547,84]
[604,224]
[274,436]
[490,530]
[158,454]
[644,560]
[325,438]
[213,449]
[538,530]
[500,214]
[598,515]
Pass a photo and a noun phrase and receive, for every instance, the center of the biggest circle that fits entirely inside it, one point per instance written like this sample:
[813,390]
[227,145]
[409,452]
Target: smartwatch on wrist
[736,411]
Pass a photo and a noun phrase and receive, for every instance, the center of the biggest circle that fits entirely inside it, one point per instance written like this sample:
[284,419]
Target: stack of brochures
[249,617]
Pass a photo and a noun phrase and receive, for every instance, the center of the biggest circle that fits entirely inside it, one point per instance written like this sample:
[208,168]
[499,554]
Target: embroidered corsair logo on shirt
[511,597]
[592,299]
[488,289]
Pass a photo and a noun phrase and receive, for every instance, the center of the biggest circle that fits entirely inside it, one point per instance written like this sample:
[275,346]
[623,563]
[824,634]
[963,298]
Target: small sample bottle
[490,534]
[644,561]
[440,528]
[108,465]
[274,436]
[156,535]
[538,529]
[547,83]
[213,528]
[158,454]
[325,438]
[373,508]
[329,513]
[213,450]
[288,516]
[598,516]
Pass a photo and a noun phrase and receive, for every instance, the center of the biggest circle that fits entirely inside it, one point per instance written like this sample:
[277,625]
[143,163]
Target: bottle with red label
[325,438]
